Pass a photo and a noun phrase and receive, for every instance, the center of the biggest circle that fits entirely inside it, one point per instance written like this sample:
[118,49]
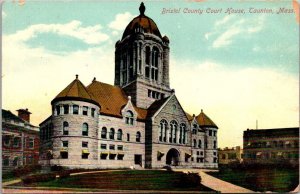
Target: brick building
[20,140]
[271,145]
[138,122]
[230,155]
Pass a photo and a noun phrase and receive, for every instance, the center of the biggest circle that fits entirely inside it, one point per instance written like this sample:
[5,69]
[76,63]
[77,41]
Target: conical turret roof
[205,121]
[75,91]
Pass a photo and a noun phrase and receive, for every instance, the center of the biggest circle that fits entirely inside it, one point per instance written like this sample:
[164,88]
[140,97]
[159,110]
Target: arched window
[174,126]
[85,129]
[103,133]
[154,65]
[65,128]
[199,143]
[194,143]
[163,131]
[147,62]
[129,118]
[112,133]
[182,133]
[138,136]
[120,134]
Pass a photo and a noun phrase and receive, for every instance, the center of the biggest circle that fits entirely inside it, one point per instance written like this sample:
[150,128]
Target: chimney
[24,114]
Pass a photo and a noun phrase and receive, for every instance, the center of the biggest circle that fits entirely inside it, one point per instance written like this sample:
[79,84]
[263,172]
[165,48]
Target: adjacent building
[271,145]
[230,155]
[138,122]
[20,140]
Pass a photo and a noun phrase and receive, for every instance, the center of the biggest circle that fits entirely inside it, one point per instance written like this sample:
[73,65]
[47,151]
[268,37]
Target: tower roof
[75,91]
[205,121]
[142,21]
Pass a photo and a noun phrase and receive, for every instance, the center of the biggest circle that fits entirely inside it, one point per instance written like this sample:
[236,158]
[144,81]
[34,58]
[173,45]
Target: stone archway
[172,157]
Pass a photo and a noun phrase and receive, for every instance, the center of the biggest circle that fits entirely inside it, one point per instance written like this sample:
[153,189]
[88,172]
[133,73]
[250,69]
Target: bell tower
[142,61]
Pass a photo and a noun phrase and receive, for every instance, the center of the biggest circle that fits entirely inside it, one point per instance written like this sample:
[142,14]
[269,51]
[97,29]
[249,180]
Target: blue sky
[238,67]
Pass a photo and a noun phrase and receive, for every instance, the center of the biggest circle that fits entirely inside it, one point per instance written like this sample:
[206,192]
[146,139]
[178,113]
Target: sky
[238,67]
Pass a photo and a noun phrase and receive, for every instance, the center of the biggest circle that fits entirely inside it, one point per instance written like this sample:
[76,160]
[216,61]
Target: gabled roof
[155,106]
[204,121]
[111,99]
[6,114]
[190,117]
[75,91]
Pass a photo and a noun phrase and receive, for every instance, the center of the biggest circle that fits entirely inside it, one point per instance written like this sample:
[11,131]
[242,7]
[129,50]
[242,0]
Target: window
[199,143]
[120,156]
[93,112]
[30,159]
[5,161]
[210,132]
[85,110]
[205,144]
[198,153]
[85,156]
[75,109]
[65,128]
[120,147]
[85,129]
[16,142]
[85,144]
[65,144]
[31,142]
[112,156]
[163,131]
[129,118]
[215,153]
[215,160]
[64,155]
[57,110]
[215,133]
[201,153]
[112,147]
[103,133]
[182,135]
[119,134]
[66,108]
[112,133]
[138,159]
[103,156]
[6,140]
[15,161]
[173,126]
[194,143]
[103,146]
[138,136]
[128,137]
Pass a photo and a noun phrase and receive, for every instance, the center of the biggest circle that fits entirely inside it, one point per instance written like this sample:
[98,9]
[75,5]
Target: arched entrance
[173,157]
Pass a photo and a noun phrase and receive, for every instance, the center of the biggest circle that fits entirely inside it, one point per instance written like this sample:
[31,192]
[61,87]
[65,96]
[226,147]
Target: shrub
[24,170]
[64,174]
[38,178]
[190,180]
[56,168]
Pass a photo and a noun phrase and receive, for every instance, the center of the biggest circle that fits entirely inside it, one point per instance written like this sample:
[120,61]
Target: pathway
[217,184]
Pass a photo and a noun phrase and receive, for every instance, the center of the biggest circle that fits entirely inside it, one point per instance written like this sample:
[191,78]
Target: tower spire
[142,9]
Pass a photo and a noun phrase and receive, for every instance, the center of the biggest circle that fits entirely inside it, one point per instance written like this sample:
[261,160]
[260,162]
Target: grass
[261,179]
[124,180]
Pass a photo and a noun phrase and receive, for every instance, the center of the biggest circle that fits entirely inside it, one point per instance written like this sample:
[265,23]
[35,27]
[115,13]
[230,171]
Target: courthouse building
[20,140]
[137,122]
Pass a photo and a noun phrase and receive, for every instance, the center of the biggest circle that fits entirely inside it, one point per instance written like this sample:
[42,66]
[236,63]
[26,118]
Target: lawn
[125,180]
[261,179]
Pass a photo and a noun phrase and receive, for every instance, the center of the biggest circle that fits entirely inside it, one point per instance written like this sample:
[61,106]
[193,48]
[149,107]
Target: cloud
[231,27]
[121,21]
[89,35]
[235,98]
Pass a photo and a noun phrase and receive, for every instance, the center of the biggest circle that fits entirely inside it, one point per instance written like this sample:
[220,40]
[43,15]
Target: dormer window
[129,118]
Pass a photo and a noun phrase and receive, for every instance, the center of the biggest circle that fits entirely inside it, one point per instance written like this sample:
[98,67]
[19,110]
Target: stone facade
[138,123]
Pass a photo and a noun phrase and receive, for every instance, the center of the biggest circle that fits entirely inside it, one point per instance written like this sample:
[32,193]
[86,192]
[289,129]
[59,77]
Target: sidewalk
[217,184]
